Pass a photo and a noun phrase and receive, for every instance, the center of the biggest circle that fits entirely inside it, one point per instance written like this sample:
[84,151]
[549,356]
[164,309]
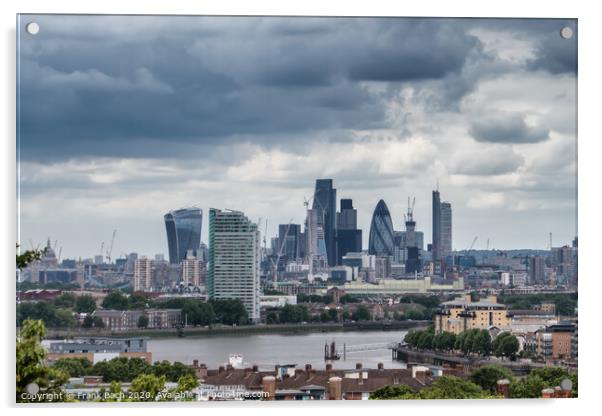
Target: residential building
[462,314]
[143,274]
[234,257]
[556,341]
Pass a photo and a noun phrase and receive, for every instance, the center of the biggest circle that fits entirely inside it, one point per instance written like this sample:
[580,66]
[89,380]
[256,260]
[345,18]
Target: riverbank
[241,330]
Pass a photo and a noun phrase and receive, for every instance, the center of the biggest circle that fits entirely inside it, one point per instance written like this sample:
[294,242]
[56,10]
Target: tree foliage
[446,387]
[488,376]
[31,367]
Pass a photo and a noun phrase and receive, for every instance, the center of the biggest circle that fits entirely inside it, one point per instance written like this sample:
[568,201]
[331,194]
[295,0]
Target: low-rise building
[97,349]
[462,314]
[555,341]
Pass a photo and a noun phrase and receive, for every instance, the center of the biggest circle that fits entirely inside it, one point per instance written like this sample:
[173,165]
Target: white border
[590,71]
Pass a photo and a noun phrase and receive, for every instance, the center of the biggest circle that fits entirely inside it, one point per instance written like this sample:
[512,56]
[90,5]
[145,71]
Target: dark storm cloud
[507,129]
[207,81]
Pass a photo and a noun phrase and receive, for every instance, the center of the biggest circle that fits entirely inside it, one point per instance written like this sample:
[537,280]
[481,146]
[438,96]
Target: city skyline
[233,126]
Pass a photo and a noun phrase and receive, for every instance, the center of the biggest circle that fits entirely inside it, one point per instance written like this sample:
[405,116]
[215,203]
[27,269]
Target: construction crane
[102,247]
[473,243]
[279,255]
[487,244]
[110,250]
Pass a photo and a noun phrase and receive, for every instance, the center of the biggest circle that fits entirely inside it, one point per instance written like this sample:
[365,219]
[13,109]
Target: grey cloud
[214,80]
[507,129]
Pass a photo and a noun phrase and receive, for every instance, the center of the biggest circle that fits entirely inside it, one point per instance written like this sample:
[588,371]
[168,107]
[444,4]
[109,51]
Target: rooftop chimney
[255,368]
[335,388]
[268,384]
[503,387]
[328,366]
[547,393]
[195,363]
[381,366]
[358,366]
[307,367]
[221,369]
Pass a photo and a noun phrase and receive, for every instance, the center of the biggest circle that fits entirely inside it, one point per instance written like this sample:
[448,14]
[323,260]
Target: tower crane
[102,247]
[110,250]
[473,243]
[279,255]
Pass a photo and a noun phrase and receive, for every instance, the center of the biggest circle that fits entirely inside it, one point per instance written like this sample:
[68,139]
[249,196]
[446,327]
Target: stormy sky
[123,118]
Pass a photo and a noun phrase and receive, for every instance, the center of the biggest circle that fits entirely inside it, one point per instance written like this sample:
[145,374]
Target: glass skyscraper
[381,231]
[325,203]
[183,228]
[349,238]
[436,247]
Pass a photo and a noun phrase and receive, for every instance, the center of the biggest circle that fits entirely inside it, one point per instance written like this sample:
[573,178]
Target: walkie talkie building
[183,228]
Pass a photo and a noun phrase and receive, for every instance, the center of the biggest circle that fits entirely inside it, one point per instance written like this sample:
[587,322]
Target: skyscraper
[234,257]
[442,228]
[413,263]
[536,268]
[325,199]
[446,230]
[183,228]
[381,231]
[349,238]
[290,244]
[436,246]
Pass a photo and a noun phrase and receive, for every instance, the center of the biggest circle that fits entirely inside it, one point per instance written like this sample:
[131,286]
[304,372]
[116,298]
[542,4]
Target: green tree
[137,301]
[88,322]
[450,387]
[361,313]
[85,304]
[272,318]
[488,376]
[74,367]
[29,256]
[31,367]
[229,311]
[146,387]
[401,392]
[143,321]
[505,345]
[115,300]
[98,322]
[481,343]
[66,300]
[187,383]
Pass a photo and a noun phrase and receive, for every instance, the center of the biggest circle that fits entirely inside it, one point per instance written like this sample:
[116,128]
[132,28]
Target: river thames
[266,350]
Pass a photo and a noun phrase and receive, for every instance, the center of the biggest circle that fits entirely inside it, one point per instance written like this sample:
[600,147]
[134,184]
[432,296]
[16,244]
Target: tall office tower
[349,238]
[234,257]
[131,261]
[183,228]
[289,241]
[436,250]
[563,260]
[143,274]
[412,263]
[325,200]
[381,231]
[536,268]
[191,270]
[446,230]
